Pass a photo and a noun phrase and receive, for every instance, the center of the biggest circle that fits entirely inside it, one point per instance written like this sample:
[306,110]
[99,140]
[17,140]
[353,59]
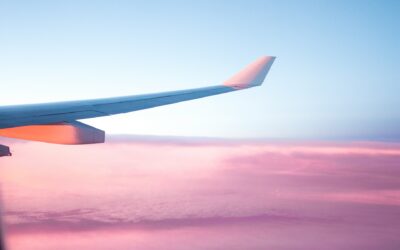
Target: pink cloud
[231,194]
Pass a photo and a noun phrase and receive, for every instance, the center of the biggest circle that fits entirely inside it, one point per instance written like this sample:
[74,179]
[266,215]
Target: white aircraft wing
[57,122]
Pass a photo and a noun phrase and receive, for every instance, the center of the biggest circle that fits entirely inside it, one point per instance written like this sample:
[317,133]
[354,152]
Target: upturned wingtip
[252,75]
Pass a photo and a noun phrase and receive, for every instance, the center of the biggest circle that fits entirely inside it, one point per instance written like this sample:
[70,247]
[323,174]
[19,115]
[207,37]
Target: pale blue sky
[336,75]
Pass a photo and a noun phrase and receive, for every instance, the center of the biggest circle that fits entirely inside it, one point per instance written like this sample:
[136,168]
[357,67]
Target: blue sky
[336,73]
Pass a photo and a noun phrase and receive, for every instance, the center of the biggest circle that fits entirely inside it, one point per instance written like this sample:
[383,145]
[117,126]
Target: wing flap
[72,133]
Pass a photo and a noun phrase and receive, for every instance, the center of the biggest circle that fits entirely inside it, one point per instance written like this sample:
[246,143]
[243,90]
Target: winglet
[251,76]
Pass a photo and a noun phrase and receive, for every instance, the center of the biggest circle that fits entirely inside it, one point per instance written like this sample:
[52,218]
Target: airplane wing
[57,122]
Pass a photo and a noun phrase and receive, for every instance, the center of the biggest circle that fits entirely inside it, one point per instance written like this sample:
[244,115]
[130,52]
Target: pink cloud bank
[174,193]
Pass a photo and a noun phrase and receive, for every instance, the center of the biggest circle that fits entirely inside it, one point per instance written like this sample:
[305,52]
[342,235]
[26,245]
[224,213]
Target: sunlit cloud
[157,187]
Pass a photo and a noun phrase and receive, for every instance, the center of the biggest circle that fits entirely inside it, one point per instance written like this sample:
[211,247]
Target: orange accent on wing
[60,133]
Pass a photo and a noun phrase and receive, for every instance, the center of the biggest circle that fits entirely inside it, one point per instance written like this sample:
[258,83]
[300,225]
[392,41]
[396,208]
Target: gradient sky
[336,75]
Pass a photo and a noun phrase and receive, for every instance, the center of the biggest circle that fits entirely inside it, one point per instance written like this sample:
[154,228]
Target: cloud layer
[171,193]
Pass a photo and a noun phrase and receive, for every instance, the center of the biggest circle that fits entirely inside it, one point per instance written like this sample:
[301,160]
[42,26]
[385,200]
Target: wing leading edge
[65,114]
